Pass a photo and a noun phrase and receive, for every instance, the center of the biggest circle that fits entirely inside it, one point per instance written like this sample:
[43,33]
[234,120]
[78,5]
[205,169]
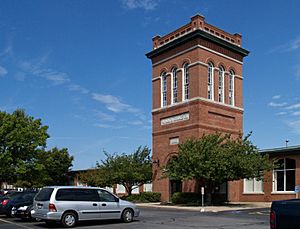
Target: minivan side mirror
[117,200]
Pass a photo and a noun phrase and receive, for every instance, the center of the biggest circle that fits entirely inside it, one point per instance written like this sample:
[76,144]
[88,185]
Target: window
[164,89]
[210,84]
[221,85]
[106,196]
[186,81]
[231,88]
[175,86]
[284,175]
[253,186]
[72,194]
[44,194]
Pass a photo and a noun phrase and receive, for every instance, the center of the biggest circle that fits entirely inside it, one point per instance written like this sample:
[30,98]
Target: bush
[186,198]
[144,197]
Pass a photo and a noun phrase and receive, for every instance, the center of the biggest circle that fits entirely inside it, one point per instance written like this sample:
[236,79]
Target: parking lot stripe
[5,221]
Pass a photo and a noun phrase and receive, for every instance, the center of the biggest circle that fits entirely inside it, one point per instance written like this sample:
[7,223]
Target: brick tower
[196,89]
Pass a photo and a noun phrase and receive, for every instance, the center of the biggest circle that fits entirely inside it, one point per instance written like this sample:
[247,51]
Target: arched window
[186,81]
[231,88]
[164,89]
[284,175]
[210,82]
[221,85]
[174,86]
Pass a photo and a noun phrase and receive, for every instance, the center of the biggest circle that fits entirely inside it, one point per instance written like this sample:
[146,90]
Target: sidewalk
[236,206]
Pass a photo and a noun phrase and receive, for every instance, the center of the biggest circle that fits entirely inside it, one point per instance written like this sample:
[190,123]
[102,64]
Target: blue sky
[80,66]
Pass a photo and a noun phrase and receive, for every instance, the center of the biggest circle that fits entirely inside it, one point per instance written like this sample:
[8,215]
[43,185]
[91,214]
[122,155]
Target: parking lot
[166,219]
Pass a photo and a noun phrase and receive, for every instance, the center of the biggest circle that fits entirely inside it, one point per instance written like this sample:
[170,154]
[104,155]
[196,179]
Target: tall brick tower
[196,89]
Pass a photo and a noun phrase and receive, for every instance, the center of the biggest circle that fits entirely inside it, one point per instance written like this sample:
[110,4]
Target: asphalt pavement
[158,218]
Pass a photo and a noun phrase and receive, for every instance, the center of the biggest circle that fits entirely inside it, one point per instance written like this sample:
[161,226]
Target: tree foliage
[20,137]
[216,159]
[129,170]
[24,160]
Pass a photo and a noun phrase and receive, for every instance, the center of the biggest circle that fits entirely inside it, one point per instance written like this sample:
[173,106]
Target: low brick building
[197,88]
[277,184]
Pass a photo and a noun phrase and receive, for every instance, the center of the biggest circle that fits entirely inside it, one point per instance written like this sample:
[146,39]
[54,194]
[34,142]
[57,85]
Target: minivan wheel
[69,219]
[127,216]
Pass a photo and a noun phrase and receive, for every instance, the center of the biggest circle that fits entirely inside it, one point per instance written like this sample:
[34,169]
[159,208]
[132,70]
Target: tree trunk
[128,188]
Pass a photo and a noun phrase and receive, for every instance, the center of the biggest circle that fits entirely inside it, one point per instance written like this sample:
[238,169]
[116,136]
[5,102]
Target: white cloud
[294,106]
[107,126]
[289,46]
[54,76]
[78,88]
[136,123]
[105,117]
[276,97]
[296,113]
[281,113]
[295,126]
[3,71]
[143,4]
[112,103]
[272,104]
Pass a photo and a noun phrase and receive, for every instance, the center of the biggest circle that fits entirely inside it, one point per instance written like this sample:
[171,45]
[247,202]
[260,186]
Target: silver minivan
[70,204]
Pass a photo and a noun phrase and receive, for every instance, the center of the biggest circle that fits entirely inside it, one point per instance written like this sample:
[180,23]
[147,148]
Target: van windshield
[44,194]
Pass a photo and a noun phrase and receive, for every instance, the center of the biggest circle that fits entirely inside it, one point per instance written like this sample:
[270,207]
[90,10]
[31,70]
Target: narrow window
[221,85]
[186,81]
[284,175]
[231,88]
[210,85]
[164,89]
[175,86]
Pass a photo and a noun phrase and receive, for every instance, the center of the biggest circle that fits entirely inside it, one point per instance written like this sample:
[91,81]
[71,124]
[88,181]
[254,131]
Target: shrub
[186,198]
[144,197]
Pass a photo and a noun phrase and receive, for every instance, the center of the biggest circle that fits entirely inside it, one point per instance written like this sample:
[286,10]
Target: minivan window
[44,194]
[73,194]
[106,196]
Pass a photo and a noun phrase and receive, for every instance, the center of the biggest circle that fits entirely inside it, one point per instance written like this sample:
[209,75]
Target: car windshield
[44,194]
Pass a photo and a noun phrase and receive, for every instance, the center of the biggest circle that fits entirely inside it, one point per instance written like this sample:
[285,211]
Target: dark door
[175,186]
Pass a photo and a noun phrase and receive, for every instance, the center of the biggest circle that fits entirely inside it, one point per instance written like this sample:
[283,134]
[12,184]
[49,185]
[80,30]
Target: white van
[70,204]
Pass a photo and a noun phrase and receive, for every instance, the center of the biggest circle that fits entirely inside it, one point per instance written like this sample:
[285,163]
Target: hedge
[144,197]
[186,198]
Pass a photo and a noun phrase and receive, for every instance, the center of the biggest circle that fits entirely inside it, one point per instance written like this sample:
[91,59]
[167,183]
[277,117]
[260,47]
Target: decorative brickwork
[197,44]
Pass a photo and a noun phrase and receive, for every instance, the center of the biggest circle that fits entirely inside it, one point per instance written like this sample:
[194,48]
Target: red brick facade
[195,44]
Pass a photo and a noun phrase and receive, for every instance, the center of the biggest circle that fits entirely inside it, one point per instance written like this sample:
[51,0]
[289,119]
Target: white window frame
[174,82]
[231,88]
[274,178]
[186,82]
[221,84]
[163,89]
[256,184]
[210,81]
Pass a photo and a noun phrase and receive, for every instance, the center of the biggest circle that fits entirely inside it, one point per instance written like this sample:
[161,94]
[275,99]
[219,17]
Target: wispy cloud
[295,126]
[104,116]
[114,104]
[3,71]
[143,4]
[136,123]
[56,77]
[272,104]
[289,46]
[294,106]
[107,126]
[78,88]
[281,113]
[276,97]
[296,113]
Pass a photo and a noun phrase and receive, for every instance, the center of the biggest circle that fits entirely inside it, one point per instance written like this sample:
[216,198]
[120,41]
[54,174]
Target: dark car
[4,199]
[285,214]
[23,212]
[17,200]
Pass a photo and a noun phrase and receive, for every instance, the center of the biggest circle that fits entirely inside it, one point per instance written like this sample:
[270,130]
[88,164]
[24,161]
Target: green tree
[216,159]
[129,170]
[20,137]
